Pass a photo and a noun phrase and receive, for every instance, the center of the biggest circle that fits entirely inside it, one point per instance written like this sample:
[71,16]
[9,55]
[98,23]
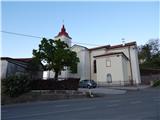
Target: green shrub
[15,86]
[156,83]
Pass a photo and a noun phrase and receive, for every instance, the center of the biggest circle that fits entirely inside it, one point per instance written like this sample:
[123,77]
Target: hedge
[15,85]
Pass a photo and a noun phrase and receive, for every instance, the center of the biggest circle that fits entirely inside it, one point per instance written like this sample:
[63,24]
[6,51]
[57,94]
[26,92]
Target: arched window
[109,78]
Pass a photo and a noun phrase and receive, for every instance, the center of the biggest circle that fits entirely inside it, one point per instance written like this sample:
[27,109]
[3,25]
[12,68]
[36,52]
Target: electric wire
[33,36]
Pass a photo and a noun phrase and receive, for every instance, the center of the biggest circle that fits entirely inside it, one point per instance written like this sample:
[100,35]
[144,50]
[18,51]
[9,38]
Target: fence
[51,84]
[147,72]
[146,79]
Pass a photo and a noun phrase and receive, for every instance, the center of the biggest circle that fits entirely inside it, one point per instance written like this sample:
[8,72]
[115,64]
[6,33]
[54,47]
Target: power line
[20,34]
[33,36]
[86,44]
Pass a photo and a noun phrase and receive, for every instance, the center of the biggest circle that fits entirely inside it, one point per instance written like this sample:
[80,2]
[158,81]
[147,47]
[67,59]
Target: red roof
[63,33]
[115,46]
[113,53]
[100,47]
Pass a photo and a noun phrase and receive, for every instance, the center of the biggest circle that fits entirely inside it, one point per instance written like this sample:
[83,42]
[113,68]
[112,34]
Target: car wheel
[89,87]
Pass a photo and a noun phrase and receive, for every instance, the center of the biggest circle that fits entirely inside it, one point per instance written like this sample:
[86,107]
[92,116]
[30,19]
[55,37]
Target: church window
[94,66]
[109,78]
[108,63]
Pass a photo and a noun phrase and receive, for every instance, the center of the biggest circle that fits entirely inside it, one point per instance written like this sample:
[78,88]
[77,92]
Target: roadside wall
[146,79]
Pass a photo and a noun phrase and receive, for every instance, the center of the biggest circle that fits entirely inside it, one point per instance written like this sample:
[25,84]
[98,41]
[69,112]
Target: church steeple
[63,36]
[63,33]
[63,29]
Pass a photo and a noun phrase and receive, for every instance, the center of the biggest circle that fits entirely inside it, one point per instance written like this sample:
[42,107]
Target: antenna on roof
[123,41]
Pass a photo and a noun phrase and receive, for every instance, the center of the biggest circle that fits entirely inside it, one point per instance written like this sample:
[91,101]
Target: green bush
[156,83]
[15,86]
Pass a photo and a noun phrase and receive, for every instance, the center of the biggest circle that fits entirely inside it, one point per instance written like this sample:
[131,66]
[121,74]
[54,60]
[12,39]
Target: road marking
[135,102]
[47,113]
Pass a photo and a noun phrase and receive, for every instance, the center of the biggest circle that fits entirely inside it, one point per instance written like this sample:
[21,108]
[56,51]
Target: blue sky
[97,23]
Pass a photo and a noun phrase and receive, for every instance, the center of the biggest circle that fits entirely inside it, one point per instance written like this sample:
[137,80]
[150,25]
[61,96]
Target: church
[107,65]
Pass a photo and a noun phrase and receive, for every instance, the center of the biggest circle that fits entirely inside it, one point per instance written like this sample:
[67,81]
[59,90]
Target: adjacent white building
[107,65]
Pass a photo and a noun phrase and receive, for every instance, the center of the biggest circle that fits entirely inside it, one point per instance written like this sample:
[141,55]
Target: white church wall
[125,50]
[116,70]
[134,61]
[92,54]
[78,50]
[125,70]
[82,58]
[84,64]
[122,49]
[135,65]
[65,39]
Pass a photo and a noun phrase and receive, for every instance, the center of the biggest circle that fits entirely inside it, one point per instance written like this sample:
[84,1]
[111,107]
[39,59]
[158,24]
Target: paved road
[134,105]
[103,90]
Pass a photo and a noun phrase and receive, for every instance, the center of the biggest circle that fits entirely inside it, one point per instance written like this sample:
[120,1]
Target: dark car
[87,84]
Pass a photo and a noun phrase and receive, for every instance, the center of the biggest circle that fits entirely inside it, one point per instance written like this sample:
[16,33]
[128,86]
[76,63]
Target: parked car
[87,84]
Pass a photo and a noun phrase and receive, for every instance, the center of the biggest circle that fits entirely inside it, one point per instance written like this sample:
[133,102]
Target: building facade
[17,66]
[107,65]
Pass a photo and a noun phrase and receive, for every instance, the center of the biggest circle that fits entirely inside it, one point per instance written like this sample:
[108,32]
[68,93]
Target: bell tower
[63,36]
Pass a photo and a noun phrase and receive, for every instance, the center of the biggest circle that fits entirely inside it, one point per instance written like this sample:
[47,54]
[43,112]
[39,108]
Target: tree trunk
[56,75]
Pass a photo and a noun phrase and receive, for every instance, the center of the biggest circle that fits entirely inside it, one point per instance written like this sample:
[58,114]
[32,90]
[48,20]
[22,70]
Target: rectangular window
[94,66]
[108,63]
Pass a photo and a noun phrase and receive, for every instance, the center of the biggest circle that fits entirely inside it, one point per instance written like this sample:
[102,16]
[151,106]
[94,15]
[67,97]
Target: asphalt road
[134,105]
